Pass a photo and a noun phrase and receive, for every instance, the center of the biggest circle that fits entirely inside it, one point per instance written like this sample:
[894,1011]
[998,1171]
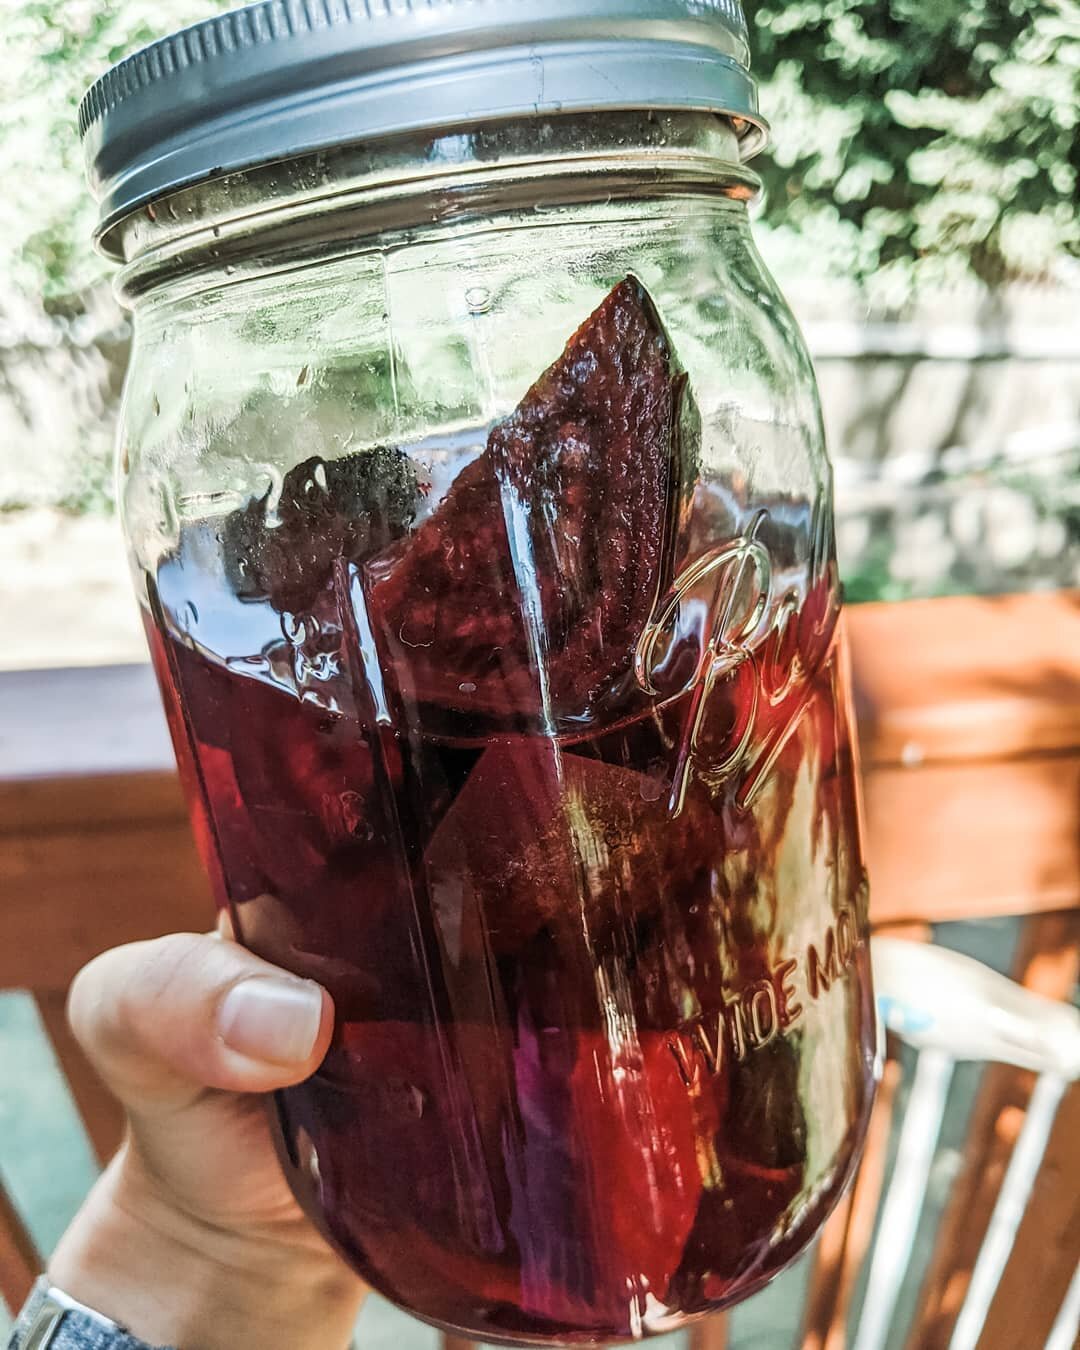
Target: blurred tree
[917,137]
[53,50]
[62,338]
[907,131]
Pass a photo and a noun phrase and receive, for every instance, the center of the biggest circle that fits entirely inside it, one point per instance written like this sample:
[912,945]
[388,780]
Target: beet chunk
[522,597]
[542,843]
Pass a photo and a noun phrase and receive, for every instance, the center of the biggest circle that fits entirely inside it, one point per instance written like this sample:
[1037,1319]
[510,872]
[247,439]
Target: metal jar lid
[288,77]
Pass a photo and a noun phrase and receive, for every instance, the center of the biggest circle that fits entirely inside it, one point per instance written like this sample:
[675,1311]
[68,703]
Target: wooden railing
[969,713]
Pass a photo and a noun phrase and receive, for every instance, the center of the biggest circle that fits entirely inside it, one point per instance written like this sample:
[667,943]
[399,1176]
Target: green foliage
[62,338]
[912,138]
[922,139]
[54,49]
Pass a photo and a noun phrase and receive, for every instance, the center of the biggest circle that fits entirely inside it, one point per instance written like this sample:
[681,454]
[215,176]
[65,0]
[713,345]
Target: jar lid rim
[283,78]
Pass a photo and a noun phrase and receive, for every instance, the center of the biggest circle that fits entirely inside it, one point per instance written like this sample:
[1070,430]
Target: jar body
[506,684]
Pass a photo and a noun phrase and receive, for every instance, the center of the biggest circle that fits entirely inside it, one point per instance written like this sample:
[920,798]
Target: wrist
[174,1279]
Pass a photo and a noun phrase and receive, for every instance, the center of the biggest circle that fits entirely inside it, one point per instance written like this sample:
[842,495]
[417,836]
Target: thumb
[162,1021]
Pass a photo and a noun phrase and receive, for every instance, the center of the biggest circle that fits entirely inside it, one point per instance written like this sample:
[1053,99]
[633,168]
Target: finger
[164,1020]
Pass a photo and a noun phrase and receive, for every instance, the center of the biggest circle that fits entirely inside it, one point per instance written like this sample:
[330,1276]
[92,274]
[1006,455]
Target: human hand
[191,1238]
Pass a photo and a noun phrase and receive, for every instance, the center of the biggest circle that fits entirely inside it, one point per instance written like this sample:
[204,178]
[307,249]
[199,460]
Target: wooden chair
[969,714]
[970,729]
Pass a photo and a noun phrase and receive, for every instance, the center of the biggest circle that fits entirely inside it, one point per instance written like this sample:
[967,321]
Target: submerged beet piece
[562,855]
[523,595]
[642,1136]
[337,508]
[595,1210]
[761,1156]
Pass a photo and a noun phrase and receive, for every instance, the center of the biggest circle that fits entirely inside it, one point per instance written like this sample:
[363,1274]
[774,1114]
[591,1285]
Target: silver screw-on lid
[287,77]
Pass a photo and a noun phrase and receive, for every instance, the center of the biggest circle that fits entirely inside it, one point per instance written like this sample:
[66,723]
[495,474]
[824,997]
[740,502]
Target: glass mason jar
[480,517]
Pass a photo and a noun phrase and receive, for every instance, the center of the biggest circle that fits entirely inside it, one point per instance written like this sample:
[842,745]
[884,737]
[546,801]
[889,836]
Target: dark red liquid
[540,1116]
[537,757]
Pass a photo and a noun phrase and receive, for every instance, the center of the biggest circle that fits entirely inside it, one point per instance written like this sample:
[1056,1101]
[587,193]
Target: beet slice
[523,595]
[573,1186]
[644,1135]
[545,844]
